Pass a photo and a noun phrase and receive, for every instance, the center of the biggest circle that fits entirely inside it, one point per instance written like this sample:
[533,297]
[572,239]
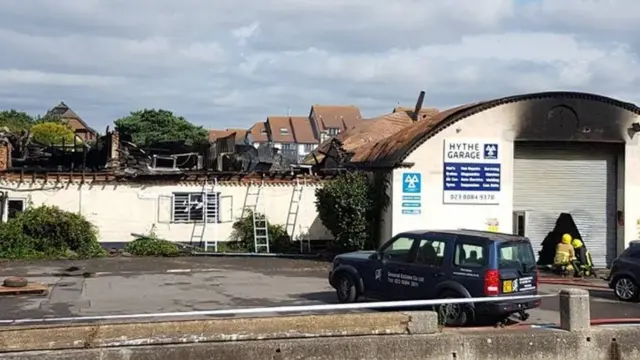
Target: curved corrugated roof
[393,150]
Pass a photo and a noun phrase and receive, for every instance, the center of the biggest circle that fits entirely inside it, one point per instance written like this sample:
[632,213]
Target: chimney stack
[418,107]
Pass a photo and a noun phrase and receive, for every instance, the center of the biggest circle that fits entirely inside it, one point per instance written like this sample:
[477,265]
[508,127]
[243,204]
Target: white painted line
[178,271]
[282,309]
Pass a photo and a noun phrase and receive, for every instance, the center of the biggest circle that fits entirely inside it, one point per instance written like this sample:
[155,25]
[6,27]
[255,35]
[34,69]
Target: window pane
[431,252]
[399,249]
[469,255]
[181,207]
[213,204]
[14,207]
[515,255]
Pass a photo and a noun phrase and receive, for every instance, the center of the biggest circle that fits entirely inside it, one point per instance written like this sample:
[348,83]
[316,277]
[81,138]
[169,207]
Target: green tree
[51,133]
[16,120]
[150,126]
[345,209]
[48,118]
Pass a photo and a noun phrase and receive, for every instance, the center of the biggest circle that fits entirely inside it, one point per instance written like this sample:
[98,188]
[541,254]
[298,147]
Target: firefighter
[565,254]
[585,265]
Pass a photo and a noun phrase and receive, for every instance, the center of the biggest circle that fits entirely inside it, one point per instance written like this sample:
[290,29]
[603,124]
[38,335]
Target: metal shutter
[579,179]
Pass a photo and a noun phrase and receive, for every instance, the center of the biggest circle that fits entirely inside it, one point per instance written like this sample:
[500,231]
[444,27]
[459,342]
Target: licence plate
[507,286]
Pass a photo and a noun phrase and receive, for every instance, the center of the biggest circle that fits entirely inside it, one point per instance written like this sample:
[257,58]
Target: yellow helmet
[577,243]
[566,239]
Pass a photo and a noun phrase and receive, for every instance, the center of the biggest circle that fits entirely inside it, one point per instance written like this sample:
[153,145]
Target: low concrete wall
[598,344]
[389,336]
[197,331]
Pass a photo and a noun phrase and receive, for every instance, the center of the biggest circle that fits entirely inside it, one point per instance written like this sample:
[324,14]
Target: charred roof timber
[118,157]
[363,138]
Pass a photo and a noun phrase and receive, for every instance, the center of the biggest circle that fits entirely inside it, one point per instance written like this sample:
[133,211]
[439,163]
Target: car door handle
[438,274]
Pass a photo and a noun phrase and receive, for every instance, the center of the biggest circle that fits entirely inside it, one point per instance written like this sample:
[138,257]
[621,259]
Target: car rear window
[516,255]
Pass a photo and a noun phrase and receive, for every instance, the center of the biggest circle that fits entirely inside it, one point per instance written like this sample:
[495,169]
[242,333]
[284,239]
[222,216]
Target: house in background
[242,136]
[259,134]
[79,126]
[330,120]
[297,136]
[293,135]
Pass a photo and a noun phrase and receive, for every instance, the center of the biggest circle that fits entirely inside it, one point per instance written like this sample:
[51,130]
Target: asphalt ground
[121,286]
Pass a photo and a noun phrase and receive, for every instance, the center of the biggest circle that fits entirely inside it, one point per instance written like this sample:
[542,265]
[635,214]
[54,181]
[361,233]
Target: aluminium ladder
[294,209]
[210,207]
[259,218]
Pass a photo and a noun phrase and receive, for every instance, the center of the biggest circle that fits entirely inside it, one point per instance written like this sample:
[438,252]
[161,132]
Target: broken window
[194,207]
[14,207]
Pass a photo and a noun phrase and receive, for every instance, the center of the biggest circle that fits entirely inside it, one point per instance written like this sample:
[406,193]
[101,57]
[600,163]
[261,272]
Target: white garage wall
[119,210]
[492,126]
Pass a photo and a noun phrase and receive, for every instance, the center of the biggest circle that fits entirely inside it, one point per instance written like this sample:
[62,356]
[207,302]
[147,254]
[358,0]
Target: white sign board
[472,171]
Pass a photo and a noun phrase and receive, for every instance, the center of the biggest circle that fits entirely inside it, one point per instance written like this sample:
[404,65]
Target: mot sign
[471,171]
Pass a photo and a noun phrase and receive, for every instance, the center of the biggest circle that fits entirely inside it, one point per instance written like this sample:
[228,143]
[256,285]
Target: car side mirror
[375,256]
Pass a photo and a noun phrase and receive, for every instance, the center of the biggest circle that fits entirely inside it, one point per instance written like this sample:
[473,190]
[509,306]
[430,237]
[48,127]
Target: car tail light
[491,282]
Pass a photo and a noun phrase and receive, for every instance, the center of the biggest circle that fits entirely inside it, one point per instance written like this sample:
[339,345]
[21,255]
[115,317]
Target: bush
[49,232]
[242,236]
[345,209]
[150,245]
[51,133]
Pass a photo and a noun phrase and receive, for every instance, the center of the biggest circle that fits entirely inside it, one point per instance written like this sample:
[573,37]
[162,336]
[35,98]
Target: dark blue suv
[444,264]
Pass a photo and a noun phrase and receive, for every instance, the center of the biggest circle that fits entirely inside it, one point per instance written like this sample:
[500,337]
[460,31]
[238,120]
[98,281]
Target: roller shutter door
[579,179]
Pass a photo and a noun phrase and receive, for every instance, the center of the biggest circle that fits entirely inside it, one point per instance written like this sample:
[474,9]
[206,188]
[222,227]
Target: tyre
[15,282]
[346,289]
[625,288]
[452,314]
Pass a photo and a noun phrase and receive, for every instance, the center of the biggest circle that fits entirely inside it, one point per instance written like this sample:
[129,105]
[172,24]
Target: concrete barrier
[389,336]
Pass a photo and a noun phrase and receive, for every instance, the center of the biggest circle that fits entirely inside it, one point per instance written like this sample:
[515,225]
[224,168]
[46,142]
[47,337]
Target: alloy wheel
[344,287]
[625,288]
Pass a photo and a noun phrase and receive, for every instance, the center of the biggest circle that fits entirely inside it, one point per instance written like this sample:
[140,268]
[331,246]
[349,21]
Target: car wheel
[346,289]
[452,314]
[625,288]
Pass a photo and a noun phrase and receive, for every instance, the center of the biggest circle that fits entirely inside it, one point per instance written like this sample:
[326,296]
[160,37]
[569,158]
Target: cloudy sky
[231,63]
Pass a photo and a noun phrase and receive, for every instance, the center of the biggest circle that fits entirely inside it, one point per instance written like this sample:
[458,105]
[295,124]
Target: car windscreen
[516,255]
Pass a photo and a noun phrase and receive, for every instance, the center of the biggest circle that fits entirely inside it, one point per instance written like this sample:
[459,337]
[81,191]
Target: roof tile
[259,132]
[239,134]
[343,117]
[303,131]
[386,151]
[280,129]
[366,134]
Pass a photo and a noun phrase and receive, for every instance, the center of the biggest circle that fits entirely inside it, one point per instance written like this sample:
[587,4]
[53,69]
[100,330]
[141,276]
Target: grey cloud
[201,59]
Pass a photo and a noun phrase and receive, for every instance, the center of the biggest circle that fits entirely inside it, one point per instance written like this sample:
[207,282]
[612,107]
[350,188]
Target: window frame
[333,131]
[23,200]
[309,147]
[210,214]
